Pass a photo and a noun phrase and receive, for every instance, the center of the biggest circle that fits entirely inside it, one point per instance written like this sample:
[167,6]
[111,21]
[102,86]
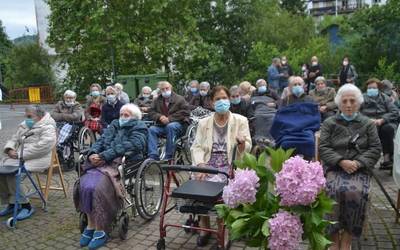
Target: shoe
[99,240]
[25,213]
[202,240]
[8,210]
[387,165]
[86,237]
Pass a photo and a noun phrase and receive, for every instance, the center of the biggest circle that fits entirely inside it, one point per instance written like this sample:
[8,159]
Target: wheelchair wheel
[83,221]
[86,139]
[149,189]
[123,225]
[10,222]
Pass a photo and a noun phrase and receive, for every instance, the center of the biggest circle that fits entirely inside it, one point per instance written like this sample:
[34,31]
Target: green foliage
[386,70]
[249,222]
[5,47]
[28,65]
[294,6]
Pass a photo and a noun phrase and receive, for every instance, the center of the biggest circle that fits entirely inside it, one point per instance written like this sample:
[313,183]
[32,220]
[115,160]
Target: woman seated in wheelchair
[92,194]
[349,148]
[36,153]
[215,141]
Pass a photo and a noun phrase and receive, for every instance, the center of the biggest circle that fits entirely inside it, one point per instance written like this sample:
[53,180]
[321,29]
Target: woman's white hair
[133,109]
[260,81]
[205,85]
[349,88]
[70,93]
[146,88]
[118,86]
[112,89]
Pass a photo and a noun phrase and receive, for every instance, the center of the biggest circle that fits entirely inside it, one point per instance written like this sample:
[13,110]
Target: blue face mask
[222,106]
[235,100]
[123,121]
[193,90]
[297,90]
[29,122]
[95,93]
[166,94]
[348,118]
[372,92]
[262,89]
[203,93]
[111,98]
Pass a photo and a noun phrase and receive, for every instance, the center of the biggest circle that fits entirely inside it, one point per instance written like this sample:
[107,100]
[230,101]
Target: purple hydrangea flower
[299,182]
[285,231]
[242,189]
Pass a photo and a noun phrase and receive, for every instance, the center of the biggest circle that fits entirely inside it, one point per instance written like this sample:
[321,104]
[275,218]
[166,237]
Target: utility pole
[336,8]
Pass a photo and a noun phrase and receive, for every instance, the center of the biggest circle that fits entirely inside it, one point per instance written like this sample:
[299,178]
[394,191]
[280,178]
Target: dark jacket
[117,140]
[348,72]
[143,102]
[326,97]
[64,113]
[317,70]
[335,146]
[177,111]
[380,107]
[259,103]
[291,99]
[110,112]
[201,101]
[286,69]
[242,108]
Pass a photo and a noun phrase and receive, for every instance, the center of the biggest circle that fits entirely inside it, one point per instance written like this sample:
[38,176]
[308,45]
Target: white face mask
[314,63]
[345,63]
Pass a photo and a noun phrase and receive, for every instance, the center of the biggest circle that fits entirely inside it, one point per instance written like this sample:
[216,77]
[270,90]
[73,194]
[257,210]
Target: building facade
[337,7]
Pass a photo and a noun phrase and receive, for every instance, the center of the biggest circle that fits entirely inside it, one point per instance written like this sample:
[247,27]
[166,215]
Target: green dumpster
[133,84]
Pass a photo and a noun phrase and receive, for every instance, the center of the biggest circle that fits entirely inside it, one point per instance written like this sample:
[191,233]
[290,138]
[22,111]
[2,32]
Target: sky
[15,15]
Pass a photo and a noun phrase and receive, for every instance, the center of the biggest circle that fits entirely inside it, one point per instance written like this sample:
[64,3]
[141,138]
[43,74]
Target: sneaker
[86,237]
[99,240]
[7,210]
[25,213]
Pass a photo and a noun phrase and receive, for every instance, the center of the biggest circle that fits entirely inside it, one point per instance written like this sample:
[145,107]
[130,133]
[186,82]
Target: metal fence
[37,94]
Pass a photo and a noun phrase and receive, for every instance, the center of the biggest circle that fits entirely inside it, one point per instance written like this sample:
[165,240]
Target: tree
[294,6]
[5,46]
[29,64]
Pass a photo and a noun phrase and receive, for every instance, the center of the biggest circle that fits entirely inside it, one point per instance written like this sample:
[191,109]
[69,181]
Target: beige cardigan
[202,146]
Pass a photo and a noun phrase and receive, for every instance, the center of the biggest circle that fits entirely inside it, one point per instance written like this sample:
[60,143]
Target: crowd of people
[356,128]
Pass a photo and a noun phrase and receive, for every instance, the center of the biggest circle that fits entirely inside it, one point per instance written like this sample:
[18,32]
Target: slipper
[86,237]
[99,240]
[25,213]
[6,211]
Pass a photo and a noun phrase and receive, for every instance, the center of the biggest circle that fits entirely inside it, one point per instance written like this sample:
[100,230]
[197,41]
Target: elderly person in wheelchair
[93,195]
[349,149]
[215,141]
[36,153]
[68,110]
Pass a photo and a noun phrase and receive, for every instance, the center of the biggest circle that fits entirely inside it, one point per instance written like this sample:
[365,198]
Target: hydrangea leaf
[265,228]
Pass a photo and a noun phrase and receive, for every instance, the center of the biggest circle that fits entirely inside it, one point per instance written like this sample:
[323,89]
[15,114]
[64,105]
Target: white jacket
[202,146]
[37,148]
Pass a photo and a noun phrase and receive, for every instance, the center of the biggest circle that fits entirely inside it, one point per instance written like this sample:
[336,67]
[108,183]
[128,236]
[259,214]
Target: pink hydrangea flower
[285,231]
[242,189]
[299,182]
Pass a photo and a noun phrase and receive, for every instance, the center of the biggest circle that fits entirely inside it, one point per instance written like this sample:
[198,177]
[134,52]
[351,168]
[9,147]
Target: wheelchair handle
[189,168]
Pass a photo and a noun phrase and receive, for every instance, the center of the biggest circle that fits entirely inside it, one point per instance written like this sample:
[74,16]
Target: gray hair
[118,86]
[112,89]
[260,81]
[320,79]
[205,84]
[70,93]
[276,60]
[294,79]
[133,109]
[146,88]
[162,83]
[349,88]
[37,109]
[193,81]
[234,89]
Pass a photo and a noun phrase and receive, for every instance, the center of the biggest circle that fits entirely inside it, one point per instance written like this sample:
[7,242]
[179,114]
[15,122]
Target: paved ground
[58,228]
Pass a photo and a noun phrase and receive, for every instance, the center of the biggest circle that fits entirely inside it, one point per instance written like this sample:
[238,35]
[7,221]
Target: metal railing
[36,94]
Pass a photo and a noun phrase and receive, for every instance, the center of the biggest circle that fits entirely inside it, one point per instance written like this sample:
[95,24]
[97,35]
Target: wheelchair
[143,182]
[80,139]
